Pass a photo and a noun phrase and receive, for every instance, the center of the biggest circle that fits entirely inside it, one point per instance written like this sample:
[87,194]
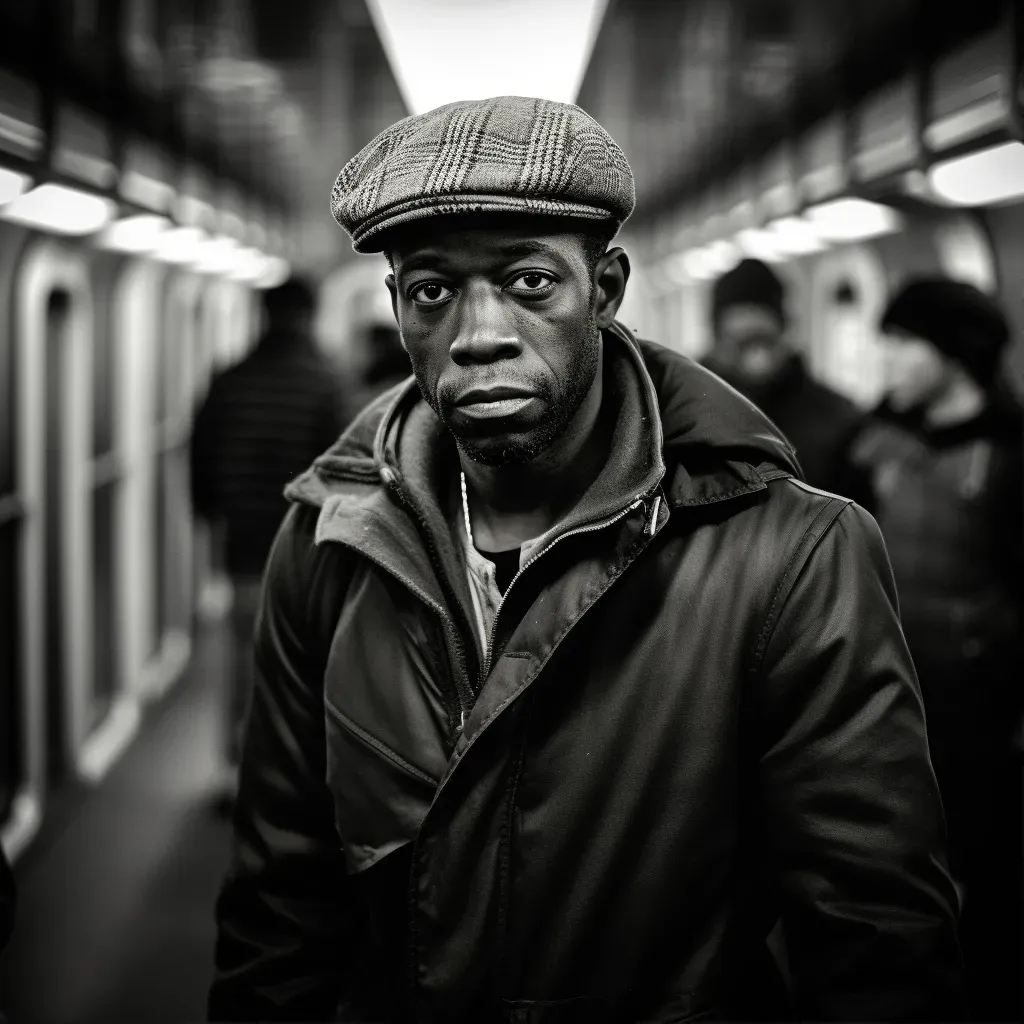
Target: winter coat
[696,713]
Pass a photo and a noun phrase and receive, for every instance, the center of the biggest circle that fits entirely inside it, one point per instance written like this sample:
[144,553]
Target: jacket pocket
[380,798]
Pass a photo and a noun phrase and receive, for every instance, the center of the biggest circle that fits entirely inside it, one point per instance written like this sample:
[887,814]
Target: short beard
[519,450]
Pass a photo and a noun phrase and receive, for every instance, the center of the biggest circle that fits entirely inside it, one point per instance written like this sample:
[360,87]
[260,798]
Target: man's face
[750,341]
[915,372]
[499,323]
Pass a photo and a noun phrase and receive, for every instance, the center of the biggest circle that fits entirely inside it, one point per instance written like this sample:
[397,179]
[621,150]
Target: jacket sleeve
[852,811]
[284,921]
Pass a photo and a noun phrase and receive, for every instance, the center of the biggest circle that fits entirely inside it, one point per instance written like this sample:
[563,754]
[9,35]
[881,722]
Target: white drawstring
[465,507]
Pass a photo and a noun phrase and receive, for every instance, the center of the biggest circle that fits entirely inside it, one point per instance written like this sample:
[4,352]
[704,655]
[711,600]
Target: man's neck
[511,505]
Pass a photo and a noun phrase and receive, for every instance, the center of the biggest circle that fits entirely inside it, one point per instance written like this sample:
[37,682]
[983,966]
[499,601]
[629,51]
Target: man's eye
[531,281]
[430,294]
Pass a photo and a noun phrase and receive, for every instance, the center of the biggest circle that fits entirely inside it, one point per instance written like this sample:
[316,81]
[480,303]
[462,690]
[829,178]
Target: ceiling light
[217,256]
[721,256]
[249,266]
[446,50]
[12,185]
[182,245]
[141,234]
[993,175]
[276,272]
[698,265]
[793,236]
[759,245]
[60,210]
[850,220]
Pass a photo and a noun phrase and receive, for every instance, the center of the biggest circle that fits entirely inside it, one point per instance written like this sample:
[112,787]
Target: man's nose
[485,331]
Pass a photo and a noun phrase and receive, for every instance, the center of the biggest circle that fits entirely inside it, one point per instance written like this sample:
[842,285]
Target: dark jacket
[821,424]
[951,506]
[950,503]
[700,713]
[8,900]
[263,421]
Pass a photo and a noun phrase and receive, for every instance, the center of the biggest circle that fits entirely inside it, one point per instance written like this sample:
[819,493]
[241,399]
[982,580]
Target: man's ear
[610,277]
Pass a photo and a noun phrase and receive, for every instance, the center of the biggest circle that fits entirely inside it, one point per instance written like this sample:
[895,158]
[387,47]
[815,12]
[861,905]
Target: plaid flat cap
[509,154]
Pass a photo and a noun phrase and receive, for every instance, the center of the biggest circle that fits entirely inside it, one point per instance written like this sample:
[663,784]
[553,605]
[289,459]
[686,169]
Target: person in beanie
[751,352]
[568,687]
[946,451]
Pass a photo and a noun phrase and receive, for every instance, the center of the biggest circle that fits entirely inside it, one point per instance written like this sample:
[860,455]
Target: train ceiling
[261,98]
[269,97]
[693,88]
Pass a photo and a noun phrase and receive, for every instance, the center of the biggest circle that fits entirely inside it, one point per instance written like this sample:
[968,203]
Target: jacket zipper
[464,695]
[648,530]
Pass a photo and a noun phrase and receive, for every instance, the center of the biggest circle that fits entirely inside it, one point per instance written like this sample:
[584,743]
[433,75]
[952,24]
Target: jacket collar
[675,423]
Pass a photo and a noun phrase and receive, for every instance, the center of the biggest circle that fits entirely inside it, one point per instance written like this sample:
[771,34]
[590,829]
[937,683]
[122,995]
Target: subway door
[151,658]
[54,321]
[21,741]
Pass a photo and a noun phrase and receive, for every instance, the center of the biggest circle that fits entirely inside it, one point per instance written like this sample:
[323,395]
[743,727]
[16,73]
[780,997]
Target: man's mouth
[488,403]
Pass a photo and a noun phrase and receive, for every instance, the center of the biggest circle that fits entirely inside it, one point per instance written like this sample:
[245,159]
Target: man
[263,420]
[946,448]
[753,353]
[567,686]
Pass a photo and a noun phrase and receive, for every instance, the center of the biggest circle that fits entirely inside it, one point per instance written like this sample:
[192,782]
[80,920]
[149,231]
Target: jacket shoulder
[305,580]
[793,512]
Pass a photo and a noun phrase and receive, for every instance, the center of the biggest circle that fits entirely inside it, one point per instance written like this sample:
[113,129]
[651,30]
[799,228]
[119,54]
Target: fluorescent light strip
[441,51]
[60,210]
[139,235]
[851,220]
[180,246]
[993,175]
[12,185]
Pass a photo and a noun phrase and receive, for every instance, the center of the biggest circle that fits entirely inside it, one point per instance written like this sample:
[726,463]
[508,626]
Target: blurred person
[262,422]
[567,687]
[385,365]
[946,451]
[753,353]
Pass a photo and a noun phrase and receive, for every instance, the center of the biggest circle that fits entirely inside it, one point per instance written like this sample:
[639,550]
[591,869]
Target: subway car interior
[163,163]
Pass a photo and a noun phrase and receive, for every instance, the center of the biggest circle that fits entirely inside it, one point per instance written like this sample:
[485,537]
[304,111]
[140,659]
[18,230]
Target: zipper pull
[652,524]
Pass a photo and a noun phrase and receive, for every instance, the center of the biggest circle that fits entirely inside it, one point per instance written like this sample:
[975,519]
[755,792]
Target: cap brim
[371,236]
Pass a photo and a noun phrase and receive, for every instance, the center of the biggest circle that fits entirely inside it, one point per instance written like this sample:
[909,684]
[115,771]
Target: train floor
[115,914]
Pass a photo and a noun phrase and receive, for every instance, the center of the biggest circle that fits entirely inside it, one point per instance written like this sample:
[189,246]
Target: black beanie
[749,282]
[961,321]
